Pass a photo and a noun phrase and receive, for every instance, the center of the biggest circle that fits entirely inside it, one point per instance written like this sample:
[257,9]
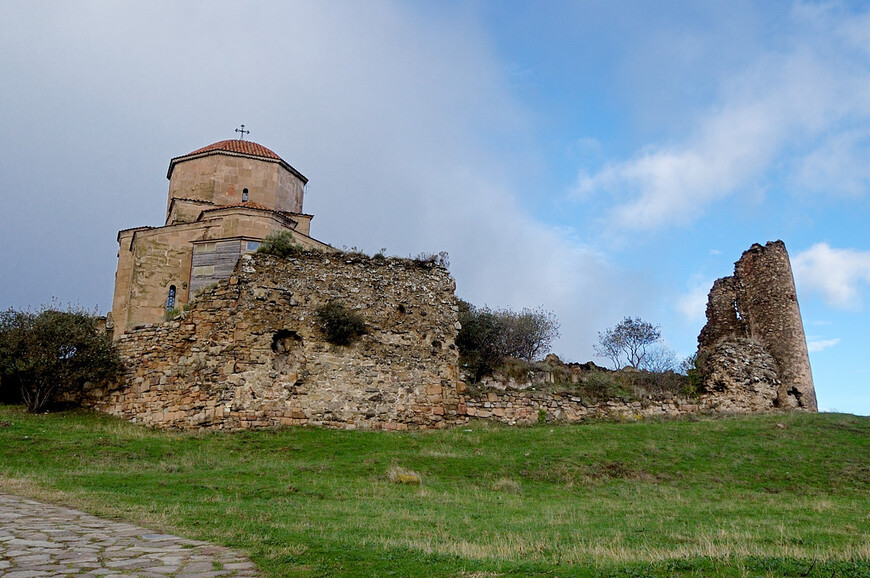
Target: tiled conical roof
[235,147]
[245,147]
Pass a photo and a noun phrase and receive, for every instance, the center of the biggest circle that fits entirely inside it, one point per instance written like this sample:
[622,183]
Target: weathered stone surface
[758,303]
[249,352]
[223,200]
[742,376]
[39,540]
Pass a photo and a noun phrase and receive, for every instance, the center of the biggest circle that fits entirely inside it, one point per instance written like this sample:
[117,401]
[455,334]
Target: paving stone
[43,541]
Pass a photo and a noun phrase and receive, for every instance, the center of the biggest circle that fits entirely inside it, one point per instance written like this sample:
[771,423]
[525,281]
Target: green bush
[340,324]
[48,354]
[488,337]
[280,243]
[602,384]
[693,368]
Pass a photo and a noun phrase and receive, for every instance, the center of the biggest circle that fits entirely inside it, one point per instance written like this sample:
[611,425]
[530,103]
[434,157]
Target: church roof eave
[237,148]
[250,207]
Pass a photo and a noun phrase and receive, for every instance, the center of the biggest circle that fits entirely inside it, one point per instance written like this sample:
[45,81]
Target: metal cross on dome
[243,132]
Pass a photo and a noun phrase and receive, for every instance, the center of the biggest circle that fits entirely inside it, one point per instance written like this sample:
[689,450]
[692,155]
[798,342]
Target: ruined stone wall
[529,407]
[756,312]
[250,353]
[557,391]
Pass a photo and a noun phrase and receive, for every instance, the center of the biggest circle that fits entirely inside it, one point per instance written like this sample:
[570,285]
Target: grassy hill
[772,495]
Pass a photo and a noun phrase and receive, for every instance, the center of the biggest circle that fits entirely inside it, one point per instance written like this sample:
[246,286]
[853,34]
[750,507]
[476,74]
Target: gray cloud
[404,124]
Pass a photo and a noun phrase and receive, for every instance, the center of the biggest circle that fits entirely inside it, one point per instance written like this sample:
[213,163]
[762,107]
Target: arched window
[244,195]
[170,299]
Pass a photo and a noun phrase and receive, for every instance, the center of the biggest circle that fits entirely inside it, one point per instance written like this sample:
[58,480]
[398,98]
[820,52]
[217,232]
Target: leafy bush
[602,384]
[50,353]
[489,337]
[340,324]
[280,243]
[693,368]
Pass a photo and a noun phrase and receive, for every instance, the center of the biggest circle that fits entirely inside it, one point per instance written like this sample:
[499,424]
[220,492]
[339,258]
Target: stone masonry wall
[249,352]
[538,394]
[524,407]
[756,312]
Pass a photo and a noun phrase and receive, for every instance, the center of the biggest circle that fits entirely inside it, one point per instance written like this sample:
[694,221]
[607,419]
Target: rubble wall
[250,352]
[530,407]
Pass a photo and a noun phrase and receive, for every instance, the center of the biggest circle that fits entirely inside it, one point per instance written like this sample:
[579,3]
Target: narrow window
[170,299]
[244,195]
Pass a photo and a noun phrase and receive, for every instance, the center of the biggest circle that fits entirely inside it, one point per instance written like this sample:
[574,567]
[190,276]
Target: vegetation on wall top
[488,337]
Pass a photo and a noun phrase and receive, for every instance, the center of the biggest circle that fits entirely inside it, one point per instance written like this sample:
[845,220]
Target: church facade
[224,199]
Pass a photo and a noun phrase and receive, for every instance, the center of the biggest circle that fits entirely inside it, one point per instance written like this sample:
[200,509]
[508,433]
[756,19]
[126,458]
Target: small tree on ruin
[629,340]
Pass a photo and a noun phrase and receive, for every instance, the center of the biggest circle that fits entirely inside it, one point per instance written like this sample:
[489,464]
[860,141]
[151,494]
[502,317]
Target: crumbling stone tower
[753,342]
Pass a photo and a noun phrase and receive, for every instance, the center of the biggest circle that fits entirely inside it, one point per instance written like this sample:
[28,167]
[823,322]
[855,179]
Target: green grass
[774,495]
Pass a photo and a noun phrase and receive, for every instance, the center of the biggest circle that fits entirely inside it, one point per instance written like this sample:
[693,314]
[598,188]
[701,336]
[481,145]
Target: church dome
[245,147]
[236,148]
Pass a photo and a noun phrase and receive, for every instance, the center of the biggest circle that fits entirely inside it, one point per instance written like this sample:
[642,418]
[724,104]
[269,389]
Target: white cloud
[673,184]
[838,275]
[821,345]
[693,305]
[839,159]
[795,99]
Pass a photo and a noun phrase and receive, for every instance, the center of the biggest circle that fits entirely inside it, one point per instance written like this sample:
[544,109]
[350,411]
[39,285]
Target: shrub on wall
[489,337]
[427,260]
[279,243]
[340,324]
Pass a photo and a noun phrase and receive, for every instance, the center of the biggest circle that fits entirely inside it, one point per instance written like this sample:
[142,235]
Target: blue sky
[601,159]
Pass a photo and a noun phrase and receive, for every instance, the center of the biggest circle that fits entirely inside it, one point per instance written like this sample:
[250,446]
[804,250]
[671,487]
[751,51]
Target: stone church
[224,199]
[249,350]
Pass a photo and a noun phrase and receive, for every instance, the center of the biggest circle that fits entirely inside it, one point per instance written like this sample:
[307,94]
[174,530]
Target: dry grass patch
[506,485]
[399,475]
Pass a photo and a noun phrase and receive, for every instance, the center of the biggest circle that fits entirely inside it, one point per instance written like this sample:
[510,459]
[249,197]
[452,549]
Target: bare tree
[629,340]
[659,358]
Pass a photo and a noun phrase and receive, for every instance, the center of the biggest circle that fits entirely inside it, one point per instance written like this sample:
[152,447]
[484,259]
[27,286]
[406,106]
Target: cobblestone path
[38,540]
